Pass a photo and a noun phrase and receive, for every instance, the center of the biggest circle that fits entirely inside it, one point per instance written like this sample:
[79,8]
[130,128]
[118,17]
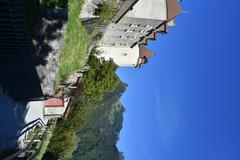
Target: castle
[136,23]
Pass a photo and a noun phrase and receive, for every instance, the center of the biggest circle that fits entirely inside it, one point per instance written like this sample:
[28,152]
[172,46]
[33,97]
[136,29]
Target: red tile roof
[144,52]
[54,102]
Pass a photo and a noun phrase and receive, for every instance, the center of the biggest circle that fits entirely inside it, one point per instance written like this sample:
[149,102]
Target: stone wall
[48,48]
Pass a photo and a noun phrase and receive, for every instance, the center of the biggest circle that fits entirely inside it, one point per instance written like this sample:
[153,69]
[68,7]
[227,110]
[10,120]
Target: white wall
[35,111]
[149,9]
[122,56]
[53,111]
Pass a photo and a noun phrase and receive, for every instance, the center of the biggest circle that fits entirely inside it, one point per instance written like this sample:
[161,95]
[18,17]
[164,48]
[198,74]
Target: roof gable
[144,52]
[173,9]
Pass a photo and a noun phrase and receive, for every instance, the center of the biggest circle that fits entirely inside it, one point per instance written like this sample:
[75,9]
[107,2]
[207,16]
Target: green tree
[62,141]
[100,78]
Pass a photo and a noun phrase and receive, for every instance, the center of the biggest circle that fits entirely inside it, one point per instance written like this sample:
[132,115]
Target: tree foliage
[62,141]
[98,137]
[100,78]
[99,82]
[91,131]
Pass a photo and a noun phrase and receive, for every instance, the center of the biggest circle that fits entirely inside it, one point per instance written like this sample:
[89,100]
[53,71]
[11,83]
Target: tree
[101,78]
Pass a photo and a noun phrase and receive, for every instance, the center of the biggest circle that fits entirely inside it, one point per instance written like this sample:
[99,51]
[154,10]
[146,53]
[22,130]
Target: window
[142,31]
[128,37]
[149,26]
[133,37]
[129,30]
[124,37]
[134,25]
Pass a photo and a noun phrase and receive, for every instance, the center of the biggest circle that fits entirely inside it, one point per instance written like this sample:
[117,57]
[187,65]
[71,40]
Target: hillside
[98,137]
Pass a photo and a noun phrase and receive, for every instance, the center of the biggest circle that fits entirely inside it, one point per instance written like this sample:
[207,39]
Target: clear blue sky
[185,103]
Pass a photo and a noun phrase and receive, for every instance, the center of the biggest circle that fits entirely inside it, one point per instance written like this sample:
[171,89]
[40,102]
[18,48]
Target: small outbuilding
[55,107]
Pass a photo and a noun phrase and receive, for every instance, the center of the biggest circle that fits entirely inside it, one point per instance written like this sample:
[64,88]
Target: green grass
[76,39]
[44,145]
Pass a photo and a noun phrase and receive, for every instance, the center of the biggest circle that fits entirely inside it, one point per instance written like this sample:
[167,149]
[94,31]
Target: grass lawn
[44,145]
[76,39]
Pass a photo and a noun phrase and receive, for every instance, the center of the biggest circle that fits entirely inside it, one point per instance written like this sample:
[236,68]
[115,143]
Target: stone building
[136,22]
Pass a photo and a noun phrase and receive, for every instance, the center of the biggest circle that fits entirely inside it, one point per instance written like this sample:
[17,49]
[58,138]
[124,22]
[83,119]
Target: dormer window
[128,37]
[134,25]
[123,36]
[149,26]
[133,37]
[129,30]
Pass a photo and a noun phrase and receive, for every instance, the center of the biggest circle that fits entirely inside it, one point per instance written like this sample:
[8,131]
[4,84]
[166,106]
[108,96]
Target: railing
[28,147]
[15,155]
[38,150]
[51,127]
[31,125]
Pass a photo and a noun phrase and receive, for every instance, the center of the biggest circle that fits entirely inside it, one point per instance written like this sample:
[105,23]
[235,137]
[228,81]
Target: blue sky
[185,103]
